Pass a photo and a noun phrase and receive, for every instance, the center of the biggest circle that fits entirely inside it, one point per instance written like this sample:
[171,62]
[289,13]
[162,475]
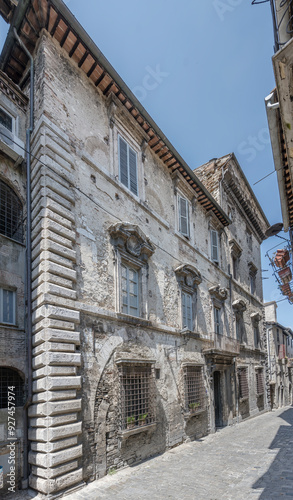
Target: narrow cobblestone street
[250,460]
[253,459]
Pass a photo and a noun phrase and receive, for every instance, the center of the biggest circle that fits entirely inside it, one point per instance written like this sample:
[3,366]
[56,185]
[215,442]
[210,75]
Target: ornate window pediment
[236,249]
[255,317]
[252,269]
[219,293]
[130,239]
[239,306]
[189,276]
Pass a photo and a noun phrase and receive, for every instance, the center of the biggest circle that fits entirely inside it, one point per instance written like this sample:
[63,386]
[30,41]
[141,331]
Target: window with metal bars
[259,381]
[11,217]
[195,393]
[137,392]
[243,383]
[11,388]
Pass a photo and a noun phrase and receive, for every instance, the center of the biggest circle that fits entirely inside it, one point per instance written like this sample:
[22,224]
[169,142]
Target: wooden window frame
[2,290]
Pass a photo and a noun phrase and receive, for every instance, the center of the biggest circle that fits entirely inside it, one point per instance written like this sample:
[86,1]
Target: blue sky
[213,65]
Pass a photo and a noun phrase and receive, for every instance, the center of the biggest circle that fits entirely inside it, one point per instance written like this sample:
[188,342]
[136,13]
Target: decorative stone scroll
[236,250]
[239,306]
[130,238]
[219,293]
[255,317]
[189,276]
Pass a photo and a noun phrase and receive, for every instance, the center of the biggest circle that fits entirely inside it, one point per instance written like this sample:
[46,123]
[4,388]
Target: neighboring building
[148,324]
[280,349]
[280,119]
[13,358]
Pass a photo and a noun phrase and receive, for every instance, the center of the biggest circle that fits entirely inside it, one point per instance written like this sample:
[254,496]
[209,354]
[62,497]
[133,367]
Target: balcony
[221,345]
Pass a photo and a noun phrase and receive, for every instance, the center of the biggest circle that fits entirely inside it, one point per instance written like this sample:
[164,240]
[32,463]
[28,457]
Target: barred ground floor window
[11,388]
[243,383]
[259,381]
[137,395]
[194,389]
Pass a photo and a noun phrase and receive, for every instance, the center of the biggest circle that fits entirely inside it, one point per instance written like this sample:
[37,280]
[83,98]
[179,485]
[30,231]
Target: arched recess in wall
[11,213]
[11,386]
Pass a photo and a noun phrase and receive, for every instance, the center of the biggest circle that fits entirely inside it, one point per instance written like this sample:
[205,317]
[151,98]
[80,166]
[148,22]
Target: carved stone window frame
[255,320]
[218,296]
[122,124]
[239,307]
[188,278]
[236,252]
[132,248]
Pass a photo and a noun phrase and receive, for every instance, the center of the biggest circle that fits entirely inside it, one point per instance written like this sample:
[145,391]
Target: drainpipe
[28,261]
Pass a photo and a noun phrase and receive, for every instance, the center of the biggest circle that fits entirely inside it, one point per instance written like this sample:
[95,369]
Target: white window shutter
[183,216]
[132,171]
[184,318]
[123,162]
[214,245]
[189,311]
[186,310]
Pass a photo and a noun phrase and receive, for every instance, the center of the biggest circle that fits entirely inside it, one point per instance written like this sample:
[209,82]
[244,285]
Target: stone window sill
[243,400]
[133,320]
[188,415]
[137,430]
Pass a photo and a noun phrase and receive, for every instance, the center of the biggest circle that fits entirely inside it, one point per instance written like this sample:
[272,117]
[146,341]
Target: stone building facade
[280,348]
[13,359]
[147,304]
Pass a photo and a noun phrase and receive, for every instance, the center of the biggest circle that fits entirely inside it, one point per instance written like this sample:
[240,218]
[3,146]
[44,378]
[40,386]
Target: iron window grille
[137,393]
[243,383]
[11,388]
[259,382]
[11,216]
[194,388]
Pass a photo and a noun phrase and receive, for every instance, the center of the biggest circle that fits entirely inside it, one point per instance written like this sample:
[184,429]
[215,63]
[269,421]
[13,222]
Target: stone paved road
[251,460]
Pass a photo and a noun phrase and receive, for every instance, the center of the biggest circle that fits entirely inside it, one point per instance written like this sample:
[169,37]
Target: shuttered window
[217,320]
[7,306]
[243,383]
[130,303]
[183,216]
[128,166]
[214,246]
[259,382]
[187,311]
